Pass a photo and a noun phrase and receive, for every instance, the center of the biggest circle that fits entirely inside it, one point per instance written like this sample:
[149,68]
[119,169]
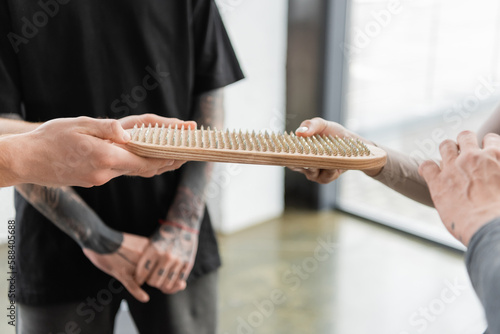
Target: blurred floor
[375,280]
[333,273]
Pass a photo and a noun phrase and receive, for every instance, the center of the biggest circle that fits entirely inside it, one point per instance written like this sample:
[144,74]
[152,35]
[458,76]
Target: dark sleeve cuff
[483,264]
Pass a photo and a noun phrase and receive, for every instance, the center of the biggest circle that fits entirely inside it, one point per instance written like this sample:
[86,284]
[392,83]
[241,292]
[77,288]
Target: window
[417,72]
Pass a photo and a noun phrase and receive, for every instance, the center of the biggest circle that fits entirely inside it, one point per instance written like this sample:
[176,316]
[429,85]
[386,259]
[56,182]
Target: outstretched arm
[75,151]
[167,262]
[113,252]
[400,172]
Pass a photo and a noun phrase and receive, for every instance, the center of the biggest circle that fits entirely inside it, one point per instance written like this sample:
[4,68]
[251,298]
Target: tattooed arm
[113,252]
[168,260]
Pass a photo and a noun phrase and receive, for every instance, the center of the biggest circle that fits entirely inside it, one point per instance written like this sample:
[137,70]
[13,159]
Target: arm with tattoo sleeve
[113,252]
[168,260]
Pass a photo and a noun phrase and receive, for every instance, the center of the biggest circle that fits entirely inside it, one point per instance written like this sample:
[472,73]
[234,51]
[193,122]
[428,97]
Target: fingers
[449,151]
[130,121]
[311,173]
[166,276]
[160,273]
[164,272]
[429,170]
[146,265]
[491,140]
[135,290]
[322,176]
[128,163]
[104,129]
[180,283]
[172,278]
[311,127]
[121,267]
[179,286]
[102,177]
[467,141]
[328,175]
[176,165]
[185,271]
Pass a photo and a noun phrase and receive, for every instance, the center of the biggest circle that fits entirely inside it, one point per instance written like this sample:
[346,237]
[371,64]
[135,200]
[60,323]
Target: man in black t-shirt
[112,59]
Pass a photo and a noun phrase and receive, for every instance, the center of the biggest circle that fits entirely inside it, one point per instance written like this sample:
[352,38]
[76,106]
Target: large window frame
[335,79]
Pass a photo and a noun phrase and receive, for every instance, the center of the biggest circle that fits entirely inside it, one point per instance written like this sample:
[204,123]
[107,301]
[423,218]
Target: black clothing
[106,59]
[193,310]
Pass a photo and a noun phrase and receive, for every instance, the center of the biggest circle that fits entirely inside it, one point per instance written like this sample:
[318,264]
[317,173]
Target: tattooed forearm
[73,216]
[189,203]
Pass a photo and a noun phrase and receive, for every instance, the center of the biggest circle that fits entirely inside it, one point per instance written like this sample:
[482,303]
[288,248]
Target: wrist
[180,226]
[16,125]
[479,220]
[371,172]
[11,164]
[104,241]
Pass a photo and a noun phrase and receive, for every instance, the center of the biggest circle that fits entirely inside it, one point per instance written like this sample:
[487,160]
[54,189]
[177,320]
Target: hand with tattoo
[168,259]
[121,263]
[113,252]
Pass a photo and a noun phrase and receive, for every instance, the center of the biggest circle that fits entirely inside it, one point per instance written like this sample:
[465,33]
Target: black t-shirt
[106,59]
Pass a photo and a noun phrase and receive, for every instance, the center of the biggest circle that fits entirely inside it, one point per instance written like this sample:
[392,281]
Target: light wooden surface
[218,146]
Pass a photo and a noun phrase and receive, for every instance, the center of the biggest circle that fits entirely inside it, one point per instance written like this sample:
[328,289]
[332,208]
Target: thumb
[109,129]
[312,127]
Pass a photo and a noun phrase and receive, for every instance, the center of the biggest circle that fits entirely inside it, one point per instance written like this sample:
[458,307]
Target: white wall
[246,194]
[7,211]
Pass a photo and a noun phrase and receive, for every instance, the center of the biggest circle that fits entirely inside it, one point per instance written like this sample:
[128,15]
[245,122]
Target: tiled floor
[333,273]
[375,280]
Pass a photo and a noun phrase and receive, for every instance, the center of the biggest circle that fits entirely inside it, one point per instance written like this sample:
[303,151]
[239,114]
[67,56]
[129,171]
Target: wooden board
[259,149]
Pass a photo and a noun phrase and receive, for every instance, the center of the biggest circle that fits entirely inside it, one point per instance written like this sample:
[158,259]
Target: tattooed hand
[113,252]
[121,264]
[169,258]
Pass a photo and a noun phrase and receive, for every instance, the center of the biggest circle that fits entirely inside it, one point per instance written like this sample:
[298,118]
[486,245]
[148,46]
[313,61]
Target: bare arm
[13,125]
[73,216]
[177,238]
[400,172]
[76,151]
[189,203]
[113,252]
